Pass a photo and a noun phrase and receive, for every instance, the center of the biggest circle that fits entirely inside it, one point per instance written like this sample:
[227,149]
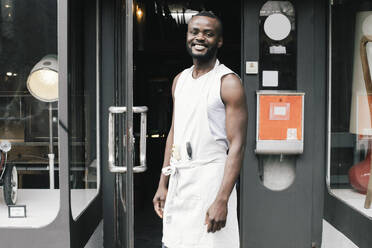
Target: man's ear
[220,42]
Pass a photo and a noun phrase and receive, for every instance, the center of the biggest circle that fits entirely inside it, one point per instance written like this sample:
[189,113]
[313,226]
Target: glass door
[120,128]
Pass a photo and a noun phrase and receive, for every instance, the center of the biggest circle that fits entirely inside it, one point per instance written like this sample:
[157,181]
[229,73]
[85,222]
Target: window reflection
[351,132]
[83,102]
[28,32]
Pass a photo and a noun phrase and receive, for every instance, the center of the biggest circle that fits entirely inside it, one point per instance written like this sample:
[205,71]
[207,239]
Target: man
[204,148]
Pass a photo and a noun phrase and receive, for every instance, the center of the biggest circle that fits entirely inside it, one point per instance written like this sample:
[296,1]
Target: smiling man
[205,147]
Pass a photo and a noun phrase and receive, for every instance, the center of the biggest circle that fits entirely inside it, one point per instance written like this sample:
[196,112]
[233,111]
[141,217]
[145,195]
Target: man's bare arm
[162,191]
[232,94]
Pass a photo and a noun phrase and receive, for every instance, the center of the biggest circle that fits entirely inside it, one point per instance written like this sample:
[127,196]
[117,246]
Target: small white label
[278,50]
[270,78]
[291,133]
[251,67]
[17,211]
[280,110]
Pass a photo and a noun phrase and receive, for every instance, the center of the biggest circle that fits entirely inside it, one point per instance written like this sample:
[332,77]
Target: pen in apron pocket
[189,150]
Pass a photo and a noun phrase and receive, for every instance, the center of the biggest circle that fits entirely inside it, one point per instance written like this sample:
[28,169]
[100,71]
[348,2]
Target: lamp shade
[43,79]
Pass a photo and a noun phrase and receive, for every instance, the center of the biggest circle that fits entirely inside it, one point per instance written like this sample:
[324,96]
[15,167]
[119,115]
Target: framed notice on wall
[280,121]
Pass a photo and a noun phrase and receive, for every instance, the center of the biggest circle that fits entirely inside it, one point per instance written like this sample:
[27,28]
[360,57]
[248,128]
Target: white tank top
[215,106]
[199,123]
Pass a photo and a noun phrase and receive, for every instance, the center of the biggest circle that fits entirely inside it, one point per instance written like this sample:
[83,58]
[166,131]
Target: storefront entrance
[117,60]
[157,50]
[280,195]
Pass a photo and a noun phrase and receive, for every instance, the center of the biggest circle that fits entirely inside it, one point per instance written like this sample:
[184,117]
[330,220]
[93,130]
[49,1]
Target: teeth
[199,47]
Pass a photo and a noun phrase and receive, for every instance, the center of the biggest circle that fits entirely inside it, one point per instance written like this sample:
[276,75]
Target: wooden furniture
[367,80]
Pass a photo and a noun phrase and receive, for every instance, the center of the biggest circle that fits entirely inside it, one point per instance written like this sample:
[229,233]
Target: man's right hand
[159,200]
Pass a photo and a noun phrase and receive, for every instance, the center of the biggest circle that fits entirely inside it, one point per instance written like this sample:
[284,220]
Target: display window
[29,143]
[83,107]
[350,102]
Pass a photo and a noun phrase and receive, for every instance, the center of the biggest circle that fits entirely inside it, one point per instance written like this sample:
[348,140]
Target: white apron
[194,182]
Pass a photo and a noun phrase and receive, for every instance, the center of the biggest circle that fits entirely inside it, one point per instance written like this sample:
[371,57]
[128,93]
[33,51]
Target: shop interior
[24,123]
[29,141]
[159,55]
[350,147]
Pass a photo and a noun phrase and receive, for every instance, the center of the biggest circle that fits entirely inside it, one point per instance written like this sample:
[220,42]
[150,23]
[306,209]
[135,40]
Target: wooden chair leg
[367,80]
[368,200]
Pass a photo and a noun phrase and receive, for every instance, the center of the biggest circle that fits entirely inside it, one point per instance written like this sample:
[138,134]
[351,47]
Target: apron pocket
[192,221]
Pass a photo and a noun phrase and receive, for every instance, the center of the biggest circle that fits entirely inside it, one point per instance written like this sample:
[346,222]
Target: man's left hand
[216,216]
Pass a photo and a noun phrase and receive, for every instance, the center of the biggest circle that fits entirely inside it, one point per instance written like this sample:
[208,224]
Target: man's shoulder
[231,77]
[231,85]
[228,76]
[225,71]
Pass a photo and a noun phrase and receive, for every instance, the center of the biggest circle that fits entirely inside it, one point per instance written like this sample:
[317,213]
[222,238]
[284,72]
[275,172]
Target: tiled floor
[96,241]
[332,238]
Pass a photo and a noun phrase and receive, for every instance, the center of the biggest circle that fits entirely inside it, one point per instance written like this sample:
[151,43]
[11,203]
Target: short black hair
[211,15]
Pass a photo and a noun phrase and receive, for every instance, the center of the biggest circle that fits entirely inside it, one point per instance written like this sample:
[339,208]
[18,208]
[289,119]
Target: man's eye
[209,34]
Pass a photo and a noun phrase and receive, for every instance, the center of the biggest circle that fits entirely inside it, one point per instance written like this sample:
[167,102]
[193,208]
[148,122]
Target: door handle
[113,110]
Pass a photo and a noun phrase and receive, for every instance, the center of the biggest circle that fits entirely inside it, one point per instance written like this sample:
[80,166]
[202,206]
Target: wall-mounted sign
[251,67]
[280,122]
[270,78]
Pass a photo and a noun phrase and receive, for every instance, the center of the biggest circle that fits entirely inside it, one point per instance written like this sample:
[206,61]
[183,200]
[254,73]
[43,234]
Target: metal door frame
[83,227]
[117,70]
[129,120]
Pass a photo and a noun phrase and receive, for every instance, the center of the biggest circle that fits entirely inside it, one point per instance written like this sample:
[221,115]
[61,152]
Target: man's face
[203,37]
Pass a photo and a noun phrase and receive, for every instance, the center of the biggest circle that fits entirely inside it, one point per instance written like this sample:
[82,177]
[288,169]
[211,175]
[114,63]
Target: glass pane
[351,131]
[83,106]
[29,111]
[123,122]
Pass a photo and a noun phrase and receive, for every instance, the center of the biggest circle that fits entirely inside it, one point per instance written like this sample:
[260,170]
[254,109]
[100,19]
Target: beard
[211,52]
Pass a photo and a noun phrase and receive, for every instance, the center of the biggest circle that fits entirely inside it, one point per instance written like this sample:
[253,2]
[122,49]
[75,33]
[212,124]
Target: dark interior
[159,55]
[28,33]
